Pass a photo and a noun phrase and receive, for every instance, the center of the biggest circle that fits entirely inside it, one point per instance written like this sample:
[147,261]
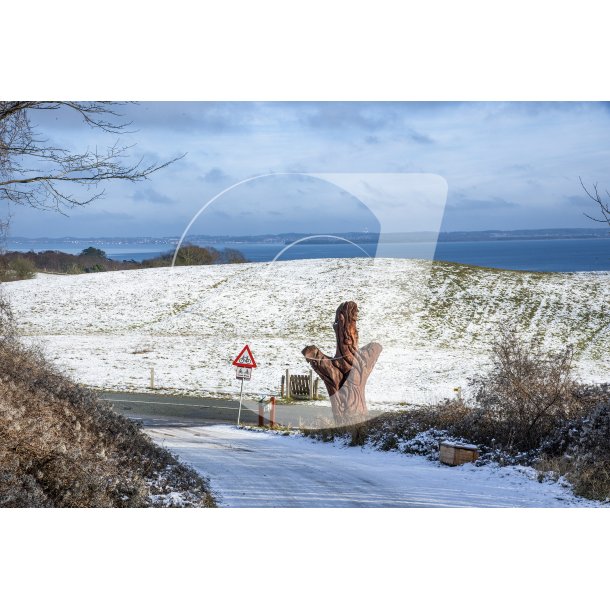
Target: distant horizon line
[288,234]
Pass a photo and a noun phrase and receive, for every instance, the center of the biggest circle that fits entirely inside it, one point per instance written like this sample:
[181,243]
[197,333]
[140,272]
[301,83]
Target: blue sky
[507,165]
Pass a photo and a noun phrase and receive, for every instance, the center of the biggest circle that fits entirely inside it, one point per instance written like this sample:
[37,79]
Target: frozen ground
[434,322]
[257,469]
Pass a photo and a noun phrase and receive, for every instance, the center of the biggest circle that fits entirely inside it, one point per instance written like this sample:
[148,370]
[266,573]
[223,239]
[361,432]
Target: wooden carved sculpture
[345,375]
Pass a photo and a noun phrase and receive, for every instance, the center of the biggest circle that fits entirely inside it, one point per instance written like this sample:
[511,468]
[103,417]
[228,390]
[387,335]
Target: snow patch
[434,321]
[253,469]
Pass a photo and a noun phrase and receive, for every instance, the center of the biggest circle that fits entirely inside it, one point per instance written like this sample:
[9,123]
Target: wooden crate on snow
[454,454]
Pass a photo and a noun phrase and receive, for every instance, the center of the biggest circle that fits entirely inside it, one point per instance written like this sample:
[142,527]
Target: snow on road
[256,469]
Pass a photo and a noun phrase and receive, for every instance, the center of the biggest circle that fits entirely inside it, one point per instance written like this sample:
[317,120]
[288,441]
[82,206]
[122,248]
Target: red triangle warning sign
[245,359]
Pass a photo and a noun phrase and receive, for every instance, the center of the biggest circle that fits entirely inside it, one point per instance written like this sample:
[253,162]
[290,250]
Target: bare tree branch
[37,173]
[595,196]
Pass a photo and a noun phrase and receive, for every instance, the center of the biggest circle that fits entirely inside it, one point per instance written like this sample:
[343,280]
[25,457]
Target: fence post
[282,387]
[261,416]
[288,393]
[272,414]
[311,384]
[152,378]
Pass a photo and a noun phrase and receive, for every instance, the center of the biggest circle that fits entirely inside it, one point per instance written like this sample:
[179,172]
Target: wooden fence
[303,387]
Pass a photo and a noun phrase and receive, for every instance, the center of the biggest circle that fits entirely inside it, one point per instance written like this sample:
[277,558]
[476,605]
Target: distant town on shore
[356,237]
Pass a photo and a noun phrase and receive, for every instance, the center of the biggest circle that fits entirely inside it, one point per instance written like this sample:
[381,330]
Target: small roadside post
[266,404]
[245,363]
[261,411]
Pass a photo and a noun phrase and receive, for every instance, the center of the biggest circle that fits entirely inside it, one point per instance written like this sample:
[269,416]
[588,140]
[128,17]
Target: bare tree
[604,205]
[345,375]
[36,172]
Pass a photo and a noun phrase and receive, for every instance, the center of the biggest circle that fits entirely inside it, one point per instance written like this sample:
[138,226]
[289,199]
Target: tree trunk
[345,375]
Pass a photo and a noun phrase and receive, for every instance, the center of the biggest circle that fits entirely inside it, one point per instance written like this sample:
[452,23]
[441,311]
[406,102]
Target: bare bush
[526,395]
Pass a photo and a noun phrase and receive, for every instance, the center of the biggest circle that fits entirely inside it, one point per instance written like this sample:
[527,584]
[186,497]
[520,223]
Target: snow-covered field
[257,469]
[433,320]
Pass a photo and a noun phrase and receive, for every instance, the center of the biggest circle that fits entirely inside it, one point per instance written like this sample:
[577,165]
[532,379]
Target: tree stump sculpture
[345,375]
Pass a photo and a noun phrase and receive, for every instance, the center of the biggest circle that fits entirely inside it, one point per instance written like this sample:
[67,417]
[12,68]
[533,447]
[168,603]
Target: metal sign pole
[241,391]
[245,363]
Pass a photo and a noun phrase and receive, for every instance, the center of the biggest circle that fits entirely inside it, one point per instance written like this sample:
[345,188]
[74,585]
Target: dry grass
[61,447]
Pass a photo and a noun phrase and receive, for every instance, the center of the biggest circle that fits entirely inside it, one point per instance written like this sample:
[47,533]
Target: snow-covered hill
[433,320]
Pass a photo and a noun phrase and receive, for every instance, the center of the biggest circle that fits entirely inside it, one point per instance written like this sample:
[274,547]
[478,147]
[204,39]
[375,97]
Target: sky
[506,166]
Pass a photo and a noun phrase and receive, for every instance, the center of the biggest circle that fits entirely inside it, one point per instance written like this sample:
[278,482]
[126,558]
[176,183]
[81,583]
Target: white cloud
[530,155]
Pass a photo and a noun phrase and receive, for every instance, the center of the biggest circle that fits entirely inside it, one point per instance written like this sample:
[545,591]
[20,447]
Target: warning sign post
[245,359]
[245,363]
[243,374]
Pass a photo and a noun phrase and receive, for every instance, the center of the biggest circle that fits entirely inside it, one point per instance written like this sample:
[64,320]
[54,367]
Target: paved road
[163,410]
[258,469]
[261,469]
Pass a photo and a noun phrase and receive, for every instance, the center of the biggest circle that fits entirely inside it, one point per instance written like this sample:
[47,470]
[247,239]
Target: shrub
[580,451]
[526,396]
[416,430]
[528,410]
[196,255]
[61,447]
[23,268]
[232,256]
[16,268]
[73,270]
[91,251]
[92,260]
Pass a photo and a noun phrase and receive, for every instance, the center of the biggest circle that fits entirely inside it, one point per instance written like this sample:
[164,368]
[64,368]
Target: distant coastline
[289,238]
[565,250]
